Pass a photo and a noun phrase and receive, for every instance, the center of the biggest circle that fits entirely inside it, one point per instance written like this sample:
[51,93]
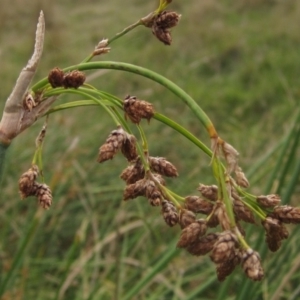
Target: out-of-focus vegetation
[240,60]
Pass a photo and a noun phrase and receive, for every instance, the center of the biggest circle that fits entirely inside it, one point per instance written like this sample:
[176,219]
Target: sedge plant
[211,222]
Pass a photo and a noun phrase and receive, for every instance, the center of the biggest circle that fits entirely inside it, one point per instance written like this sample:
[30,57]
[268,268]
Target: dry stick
[11,123]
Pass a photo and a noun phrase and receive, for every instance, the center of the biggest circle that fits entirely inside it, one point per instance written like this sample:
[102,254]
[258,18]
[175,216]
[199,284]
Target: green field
[240,61]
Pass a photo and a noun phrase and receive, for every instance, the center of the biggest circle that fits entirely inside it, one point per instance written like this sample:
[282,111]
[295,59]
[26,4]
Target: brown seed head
[268,201]
[135,189]
[241,178]
[73,79]
[287,214]
[231,156]
[162,34]
[26,182]
[251,264]
[169,213]
[192,233]
[161,25]
[275,233]
[204,245]
[225,268]
[224,248]
[153,193]
[134,172]
[56,77]
[222,216]
[242,212]
[186,217]
[167,19]
[209,191]
[129,147]
[198,205]
[161,166]
[44,195]
[113,143]
[136,109]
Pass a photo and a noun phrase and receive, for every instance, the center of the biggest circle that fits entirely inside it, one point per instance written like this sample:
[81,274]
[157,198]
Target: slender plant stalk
[187,99]
[3,151]
[24,243]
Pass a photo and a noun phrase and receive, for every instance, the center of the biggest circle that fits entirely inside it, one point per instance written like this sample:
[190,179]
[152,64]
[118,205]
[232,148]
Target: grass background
[239,60]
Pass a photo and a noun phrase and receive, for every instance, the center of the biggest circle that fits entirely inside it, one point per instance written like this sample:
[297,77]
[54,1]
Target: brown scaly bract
[136,109]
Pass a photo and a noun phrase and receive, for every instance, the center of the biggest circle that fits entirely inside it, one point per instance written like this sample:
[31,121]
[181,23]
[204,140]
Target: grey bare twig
[17,115]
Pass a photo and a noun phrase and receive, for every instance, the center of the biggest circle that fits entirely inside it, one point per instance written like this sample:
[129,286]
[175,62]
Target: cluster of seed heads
[73,79]
[205,225]
[162,23]
[28,186]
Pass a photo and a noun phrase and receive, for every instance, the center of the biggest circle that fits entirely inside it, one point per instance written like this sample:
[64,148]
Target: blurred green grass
[239,60]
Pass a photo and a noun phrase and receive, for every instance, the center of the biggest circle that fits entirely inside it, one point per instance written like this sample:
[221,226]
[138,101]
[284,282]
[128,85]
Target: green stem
[124,31]
[227,201]
[187,99]
[3,151]
[26,239]
[187,134]
[85,93]
[143,137]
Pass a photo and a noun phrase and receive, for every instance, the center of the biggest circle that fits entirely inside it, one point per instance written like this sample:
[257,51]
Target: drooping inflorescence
[211,222]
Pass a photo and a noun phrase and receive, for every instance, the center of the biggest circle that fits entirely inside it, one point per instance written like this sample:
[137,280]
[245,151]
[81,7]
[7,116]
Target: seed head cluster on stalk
[212,219]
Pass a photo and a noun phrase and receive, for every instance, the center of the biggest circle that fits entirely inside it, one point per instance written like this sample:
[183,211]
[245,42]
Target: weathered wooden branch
[17,115]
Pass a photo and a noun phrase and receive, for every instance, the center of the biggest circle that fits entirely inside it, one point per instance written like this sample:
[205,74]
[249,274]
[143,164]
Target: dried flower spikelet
[161,25]
[222,216]
[241,178]
[198,205]
[275,233]
[224,248]
[56,77]
[242,212]
[136,109]
[161,166]
[129,147]
[186,217]
[213,220]
[27,180]
[44,195]
[231,156]
[167,19]
[73,79]
[153,193]
[251,264]
[192,233]
[204,245]
[162,34]
[113,143]
[101,48]
[169,213]
[134,190]
[210,192]
[133,172]
[225,268]
[287,214]
[268,201]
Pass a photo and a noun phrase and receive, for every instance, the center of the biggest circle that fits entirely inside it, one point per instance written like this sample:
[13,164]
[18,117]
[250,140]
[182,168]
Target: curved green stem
[85,93]
[187,134]
[187,99]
